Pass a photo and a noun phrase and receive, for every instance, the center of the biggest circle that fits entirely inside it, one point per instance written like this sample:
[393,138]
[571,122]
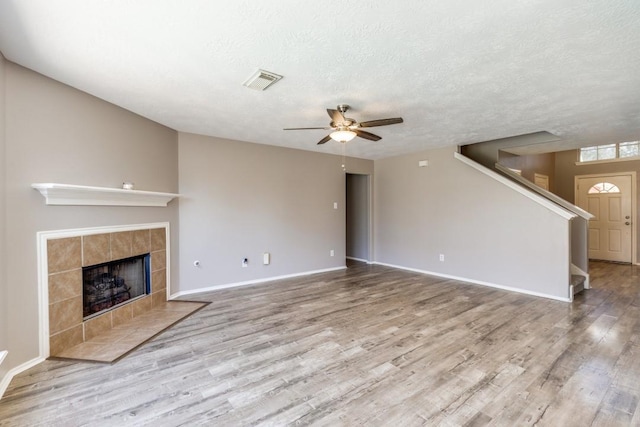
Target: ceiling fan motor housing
[345,129]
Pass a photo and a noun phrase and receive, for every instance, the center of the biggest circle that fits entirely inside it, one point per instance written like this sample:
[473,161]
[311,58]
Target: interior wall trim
[82,195]
[480,282]
[516,187]
[252,282]
[4,383]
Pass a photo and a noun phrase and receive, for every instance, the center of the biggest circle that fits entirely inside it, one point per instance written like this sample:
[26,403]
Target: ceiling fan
[345,129]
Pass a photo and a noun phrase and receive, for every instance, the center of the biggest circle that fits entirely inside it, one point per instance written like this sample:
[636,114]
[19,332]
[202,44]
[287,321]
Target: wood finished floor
[367,346]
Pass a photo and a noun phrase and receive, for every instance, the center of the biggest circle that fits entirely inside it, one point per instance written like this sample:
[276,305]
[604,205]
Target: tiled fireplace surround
[65,258]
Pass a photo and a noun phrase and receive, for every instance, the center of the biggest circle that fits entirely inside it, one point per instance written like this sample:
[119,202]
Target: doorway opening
[358,217]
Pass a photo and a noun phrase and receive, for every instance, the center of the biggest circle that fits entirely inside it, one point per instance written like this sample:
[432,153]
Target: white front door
[609,199]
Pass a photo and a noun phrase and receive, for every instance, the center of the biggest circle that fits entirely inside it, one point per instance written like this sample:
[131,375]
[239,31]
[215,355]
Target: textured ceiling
[458,71]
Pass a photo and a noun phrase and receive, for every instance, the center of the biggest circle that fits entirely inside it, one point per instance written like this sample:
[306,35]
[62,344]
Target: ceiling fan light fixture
[345,129]
[343,135]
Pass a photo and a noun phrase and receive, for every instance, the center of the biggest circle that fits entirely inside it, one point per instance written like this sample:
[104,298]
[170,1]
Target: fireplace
[110,284]
[70,254]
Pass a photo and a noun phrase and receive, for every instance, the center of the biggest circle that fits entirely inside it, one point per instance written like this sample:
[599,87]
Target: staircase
[487,154]
[577,283]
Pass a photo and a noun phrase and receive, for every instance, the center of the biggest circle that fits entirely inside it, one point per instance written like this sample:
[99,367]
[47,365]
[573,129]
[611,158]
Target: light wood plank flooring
[367,346]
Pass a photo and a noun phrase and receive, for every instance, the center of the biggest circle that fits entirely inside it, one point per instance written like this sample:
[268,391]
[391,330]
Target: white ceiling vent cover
[261,80]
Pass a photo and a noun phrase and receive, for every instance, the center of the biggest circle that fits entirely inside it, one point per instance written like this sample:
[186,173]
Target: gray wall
[358,226]
[452,209]
[567,170]
[3,279]
[580,244]
[240,200]
[55,133]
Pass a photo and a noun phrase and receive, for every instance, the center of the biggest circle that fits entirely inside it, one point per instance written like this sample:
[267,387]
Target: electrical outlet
[331,252]
[441,257]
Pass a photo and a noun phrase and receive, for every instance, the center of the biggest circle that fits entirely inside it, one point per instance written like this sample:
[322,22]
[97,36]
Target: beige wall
[58,134]
[3,279]
[487,231]
[567,170]
[530,165]
[240,200]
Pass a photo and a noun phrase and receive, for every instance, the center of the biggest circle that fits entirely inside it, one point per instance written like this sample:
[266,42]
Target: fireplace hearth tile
[121,245]
[178,306]
[65,285]
[65,339]
[133,340]
[112,335]
[115,343]
[63,254]
[141,242]
[85,350]
[95,249]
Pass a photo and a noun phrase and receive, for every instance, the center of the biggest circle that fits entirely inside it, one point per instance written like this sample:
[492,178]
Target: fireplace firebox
[111,284]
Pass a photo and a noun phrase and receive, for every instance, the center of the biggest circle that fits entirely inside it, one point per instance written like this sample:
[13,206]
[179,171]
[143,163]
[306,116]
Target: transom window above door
[604,187]
[608,152]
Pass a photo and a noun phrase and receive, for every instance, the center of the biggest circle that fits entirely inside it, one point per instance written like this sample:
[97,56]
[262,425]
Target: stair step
[577,282]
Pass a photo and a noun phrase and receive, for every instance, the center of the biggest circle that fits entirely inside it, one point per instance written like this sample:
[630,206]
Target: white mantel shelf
[81,195]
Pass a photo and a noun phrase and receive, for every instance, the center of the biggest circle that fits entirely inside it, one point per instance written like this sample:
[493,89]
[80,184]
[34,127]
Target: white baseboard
[358,259]
[17,370]
[476,282]
[251,282]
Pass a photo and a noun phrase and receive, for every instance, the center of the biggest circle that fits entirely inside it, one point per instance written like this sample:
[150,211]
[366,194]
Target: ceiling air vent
[261,80]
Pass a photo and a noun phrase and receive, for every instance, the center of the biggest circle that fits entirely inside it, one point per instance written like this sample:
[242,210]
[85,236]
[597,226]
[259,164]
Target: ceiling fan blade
[367,135]
[325,128]
[325,139]
[336,116]
[381,122]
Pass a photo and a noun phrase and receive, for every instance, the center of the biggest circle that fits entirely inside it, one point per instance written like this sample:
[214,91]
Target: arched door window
[604,187]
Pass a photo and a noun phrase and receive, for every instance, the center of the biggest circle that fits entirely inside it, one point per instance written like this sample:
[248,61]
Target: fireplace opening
[108,285]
